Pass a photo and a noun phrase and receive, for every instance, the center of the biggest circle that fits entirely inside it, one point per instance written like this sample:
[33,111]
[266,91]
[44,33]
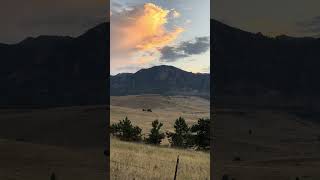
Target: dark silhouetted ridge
[262,69]
[56,70]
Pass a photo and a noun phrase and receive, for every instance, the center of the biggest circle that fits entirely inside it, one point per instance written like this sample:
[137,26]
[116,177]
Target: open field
[68,141]
[20,160]
[282,146]
[144,162]
[141,161]
[164,108]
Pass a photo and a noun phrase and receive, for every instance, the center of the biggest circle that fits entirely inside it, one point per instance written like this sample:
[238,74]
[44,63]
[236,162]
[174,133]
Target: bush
[181,137]
[201,130]
[155,137]
[126,131]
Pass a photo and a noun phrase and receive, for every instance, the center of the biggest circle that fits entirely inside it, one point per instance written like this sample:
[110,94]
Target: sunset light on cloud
[139,32]
[149,28]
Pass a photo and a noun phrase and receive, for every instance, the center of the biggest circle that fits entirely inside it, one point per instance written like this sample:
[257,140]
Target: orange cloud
[141,29]
[143,60]
[159,41]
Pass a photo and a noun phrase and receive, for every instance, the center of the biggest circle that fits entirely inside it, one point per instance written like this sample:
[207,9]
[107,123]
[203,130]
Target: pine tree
[202,133]
[155,137]
[126,131]
[181,136]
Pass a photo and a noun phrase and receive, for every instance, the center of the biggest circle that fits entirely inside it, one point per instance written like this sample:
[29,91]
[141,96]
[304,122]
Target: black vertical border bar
[107,85]
[211,94]
[108,109]
[212,109]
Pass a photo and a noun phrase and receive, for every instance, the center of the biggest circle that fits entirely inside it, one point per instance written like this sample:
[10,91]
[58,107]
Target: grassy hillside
[67,140]
[282,145]
[141,161]
[144,162]
[164,108]
[28,161]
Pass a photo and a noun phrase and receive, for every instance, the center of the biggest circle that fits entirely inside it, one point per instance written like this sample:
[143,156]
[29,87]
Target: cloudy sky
[148,33]
[271,17]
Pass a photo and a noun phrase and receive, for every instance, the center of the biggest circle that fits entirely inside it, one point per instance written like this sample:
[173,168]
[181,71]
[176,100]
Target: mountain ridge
[164,79]
[250,67]
[51,70]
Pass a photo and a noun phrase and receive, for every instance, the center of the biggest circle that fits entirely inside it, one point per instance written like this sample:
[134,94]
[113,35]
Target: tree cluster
[126,131]
[197,136]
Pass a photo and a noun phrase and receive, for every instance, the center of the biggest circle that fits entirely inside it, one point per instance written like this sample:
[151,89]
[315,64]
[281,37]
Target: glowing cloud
[140,29]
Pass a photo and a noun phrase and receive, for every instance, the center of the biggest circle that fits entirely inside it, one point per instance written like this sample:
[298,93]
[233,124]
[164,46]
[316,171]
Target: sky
[297,18]
[30,18]
[159,32]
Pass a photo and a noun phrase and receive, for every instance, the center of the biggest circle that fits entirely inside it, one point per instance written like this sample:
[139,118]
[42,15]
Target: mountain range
[246,67]
[56,71]
[165,80]
[251,67]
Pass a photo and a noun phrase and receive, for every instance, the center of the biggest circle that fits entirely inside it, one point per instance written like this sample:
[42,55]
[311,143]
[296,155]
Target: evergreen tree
[155,136]
[181,136]
[202,133]
[126,131]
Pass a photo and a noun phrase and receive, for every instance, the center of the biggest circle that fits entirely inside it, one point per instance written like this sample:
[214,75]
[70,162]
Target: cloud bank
[185,49]
[311,26]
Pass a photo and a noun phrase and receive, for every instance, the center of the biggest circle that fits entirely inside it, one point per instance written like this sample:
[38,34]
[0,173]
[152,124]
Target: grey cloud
[185,49]
[310,26]
[201,45]
[116,6]
[170,54]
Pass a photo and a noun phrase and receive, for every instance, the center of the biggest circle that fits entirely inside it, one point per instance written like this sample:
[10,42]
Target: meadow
[164,108]
[141,161]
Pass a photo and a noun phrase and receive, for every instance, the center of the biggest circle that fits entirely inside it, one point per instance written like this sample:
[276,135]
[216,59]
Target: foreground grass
[140,161]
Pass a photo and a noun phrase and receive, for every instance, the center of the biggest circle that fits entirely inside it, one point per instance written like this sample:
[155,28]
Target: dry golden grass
[28,161]
[65,140]
[140,161]
[283,146]
[164,108]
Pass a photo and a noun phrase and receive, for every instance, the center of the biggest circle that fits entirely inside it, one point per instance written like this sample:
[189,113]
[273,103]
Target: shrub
[201,130]
[181,137]
[126,131]
[155,137]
